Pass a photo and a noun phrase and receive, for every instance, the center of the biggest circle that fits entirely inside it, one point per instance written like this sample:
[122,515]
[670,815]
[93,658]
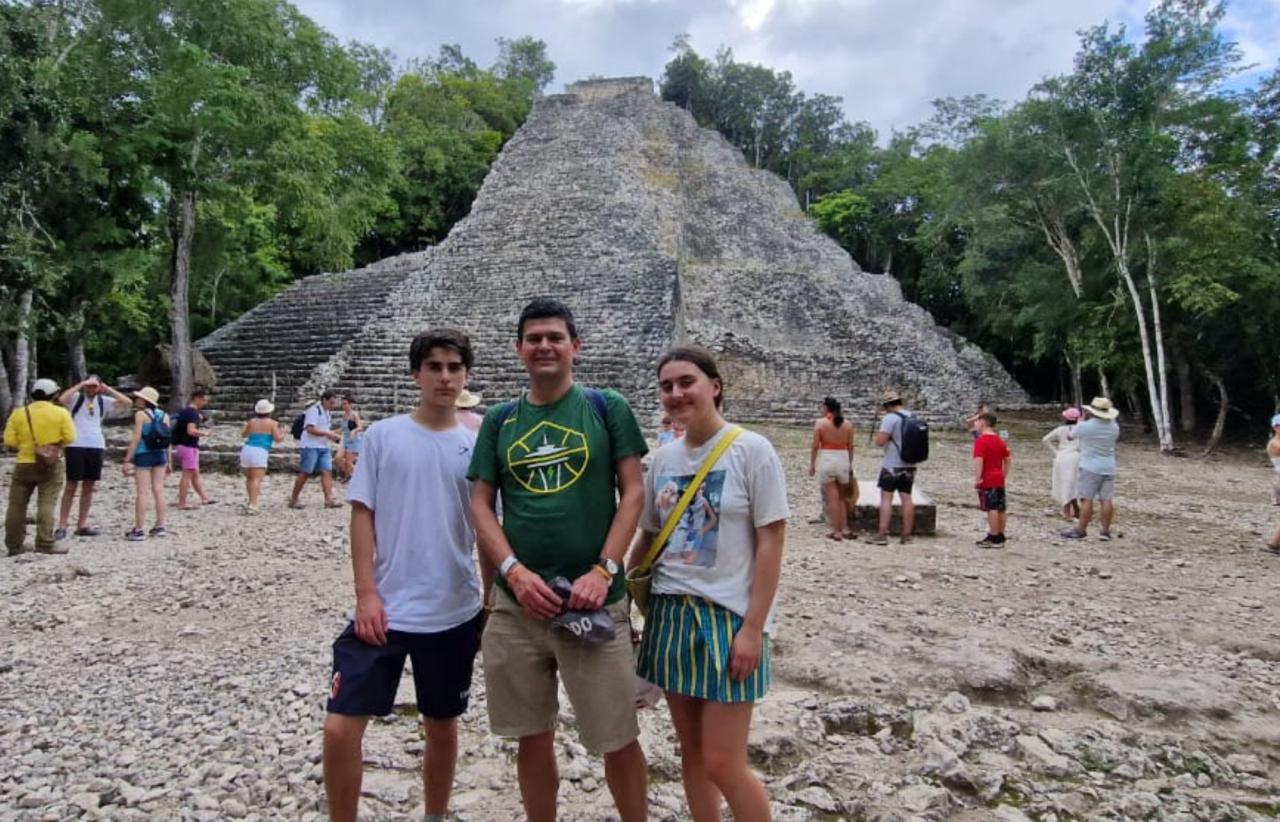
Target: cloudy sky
[887,58]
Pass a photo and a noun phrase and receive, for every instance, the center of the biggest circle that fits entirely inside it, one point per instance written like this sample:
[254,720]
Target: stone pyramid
[655,232]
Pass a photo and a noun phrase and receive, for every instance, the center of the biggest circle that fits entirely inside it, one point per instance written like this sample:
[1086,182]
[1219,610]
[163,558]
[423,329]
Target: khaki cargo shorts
[522,658]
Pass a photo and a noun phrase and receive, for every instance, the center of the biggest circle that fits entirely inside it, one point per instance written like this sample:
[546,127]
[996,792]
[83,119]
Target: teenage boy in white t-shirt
[417,591]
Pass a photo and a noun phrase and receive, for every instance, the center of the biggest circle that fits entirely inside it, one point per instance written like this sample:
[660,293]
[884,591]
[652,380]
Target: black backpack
[913,438]
[160,434]
[299,426]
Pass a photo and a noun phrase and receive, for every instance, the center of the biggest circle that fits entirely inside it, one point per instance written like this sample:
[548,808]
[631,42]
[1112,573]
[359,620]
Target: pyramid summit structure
[655,232]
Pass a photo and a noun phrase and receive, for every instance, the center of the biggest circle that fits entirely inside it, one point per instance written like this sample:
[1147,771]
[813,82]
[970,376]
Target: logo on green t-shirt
[549,458]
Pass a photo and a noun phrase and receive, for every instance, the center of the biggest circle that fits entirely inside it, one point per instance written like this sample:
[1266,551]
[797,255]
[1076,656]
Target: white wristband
[507,565]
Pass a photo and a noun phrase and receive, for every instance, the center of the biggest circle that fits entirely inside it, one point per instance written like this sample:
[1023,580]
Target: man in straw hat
[467,416]
[39,422]
[1097,436]
[896,474]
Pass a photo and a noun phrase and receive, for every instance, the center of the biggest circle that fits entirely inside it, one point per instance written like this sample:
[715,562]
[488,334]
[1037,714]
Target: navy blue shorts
[84,464]
[366,677]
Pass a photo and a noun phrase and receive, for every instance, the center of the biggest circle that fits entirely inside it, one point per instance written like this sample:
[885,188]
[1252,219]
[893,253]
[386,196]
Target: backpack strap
[903,419]
[75,409]
[595,397]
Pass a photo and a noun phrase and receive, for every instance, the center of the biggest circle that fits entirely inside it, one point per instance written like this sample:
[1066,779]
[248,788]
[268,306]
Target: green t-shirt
[554,465]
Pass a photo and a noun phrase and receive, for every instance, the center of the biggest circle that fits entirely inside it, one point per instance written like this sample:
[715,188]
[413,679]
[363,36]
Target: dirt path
[184,677]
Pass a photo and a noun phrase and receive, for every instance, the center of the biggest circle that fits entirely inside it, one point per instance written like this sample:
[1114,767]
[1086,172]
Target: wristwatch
[610,567]
[507,564]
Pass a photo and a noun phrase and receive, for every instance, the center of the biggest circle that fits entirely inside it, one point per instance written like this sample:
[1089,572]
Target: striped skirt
[685,650]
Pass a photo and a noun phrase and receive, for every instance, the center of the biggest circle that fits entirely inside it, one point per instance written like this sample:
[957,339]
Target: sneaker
[878,539]
[906,539]
[1105,536]
[59,533]
[987,541]
[136,535]
[251,509]
[87,531]
[1000,539]
[1072,533]
[159,531]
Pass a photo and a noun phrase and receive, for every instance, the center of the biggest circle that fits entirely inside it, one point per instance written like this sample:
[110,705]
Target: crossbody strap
[32,425]
[660,541]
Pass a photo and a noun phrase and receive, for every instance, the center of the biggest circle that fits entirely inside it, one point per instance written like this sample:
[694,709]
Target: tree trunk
[1188,421]
[24,348]
[6,395]
[75,345]
[1220,423]
[1158,401]
[182,228]
[1165,420]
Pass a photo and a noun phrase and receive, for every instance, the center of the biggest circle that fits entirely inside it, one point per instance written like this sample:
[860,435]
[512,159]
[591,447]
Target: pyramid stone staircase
[655,232]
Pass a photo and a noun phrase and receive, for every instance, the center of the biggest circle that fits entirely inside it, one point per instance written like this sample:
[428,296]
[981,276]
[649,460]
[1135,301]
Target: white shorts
[252,456]
[832,466]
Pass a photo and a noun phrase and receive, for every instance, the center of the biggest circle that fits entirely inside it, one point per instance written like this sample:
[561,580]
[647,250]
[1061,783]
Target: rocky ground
[184,678]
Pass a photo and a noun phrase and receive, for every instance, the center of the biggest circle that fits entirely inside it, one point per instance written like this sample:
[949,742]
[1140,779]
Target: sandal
[836,537]
[333,504]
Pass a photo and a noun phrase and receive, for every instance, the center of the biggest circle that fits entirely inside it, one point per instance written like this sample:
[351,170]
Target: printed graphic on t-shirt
[549,458]
[697,536]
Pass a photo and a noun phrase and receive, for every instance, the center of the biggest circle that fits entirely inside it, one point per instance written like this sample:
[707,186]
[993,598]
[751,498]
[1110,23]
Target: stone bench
[865,518]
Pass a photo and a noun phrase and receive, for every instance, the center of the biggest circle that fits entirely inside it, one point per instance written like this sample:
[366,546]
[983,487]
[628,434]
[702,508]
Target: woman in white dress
[1066,464]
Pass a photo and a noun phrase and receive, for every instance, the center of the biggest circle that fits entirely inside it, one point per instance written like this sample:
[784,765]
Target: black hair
[833,405]
[545,308]
[699,358]
[199,392]
[448,338]
[328,394]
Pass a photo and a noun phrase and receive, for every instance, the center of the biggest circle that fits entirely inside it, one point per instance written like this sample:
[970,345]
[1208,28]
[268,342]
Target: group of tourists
[831,461]
[1084,466]
[548,601]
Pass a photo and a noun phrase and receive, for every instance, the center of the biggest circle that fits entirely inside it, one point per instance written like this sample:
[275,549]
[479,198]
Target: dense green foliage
[1114,232]
[165,166]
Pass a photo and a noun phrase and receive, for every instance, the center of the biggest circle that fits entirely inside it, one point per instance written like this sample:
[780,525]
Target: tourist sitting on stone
[706,637]
[149,464]
[1066,464]
[352,429]
[188,429]
[831,461]
[89,405]
[261,431]
[314,449]
[40,422]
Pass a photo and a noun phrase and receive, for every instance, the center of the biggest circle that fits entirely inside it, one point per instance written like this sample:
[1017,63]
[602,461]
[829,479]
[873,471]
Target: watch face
[610,566]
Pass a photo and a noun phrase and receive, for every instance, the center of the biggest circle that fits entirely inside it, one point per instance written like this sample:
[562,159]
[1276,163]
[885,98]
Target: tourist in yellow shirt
[42,422]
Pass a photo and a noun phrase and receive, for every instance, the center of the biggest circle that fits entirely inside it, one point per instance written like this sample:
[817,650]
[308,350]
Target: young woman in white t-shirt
[706,637]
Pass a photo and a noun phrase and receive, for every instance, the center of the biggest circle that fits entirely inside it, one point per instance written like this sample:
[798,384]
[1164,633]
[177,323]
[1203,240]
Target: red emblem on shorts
[335,685]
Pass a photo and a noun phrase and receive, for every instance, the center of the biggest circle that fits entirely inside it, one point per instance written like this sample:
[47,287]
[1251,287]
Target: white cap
[44,386]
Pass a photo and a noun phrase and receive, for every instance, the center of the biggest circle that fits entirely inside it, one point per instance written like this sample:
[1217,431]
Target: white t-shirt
[318,416]
[88,419]
[711,553]
[415,482]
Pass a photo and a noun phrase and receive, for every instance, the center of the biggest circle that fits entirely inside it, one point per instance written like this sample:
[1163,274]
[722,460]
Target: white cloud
[887,58]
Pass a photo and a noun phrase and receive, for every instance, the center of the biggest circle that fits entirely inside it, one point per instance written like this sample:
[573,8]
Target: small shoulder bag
[640,578]
[47,456]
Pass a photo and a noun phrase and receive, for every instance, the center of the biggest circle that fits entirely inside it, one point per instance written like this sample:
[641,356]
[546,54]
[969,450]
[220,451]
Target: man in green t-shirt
[566,460]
